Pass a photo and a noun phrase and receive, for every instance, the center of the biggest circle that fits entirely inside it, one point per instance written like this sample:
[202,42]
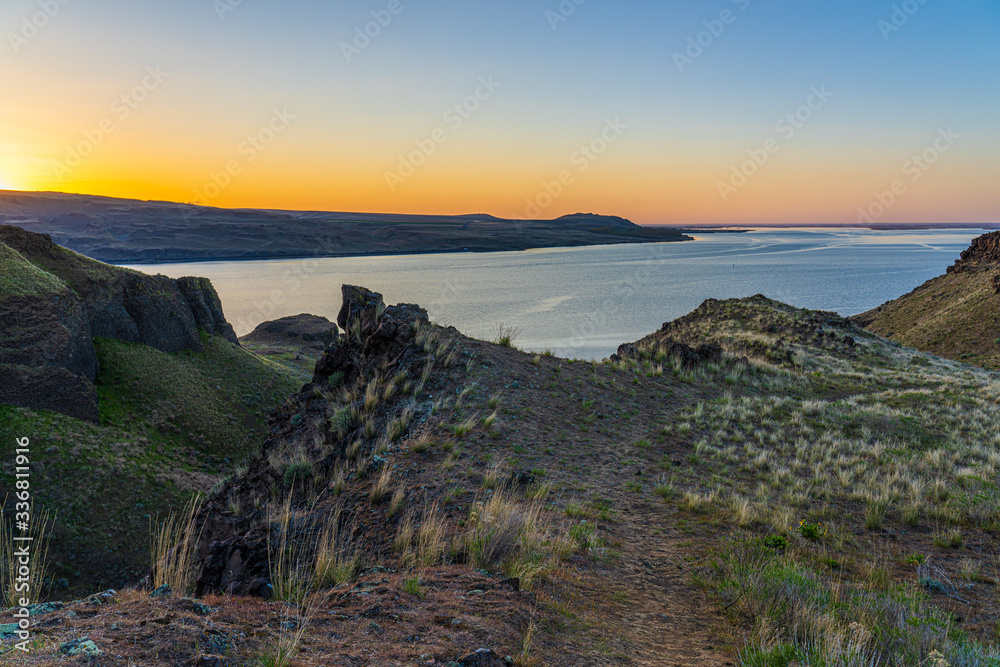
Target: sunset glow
[450,108]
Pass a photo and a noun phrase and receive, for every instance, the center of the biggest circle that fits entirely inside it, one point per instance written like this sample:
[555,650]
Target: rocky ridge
[954,315]
[54,302]
[379,341]
[984,252]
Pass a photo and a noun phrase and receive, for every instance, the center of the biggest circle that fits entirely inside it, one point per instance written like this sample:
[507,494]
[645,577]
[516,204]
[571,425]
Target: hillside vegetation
[171,426]
[753,484]
[956,315]
[134,394]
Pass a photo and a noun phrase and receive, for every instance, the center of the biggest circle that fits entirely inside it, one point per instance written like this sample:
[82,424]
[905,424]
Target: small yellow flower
[936,659]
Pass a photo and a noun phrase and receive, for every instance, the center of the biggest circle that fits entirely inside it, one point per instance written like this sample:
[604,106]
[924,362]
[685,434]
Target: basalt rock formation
[54,302]
[304,330]
[312,432]
[982,254]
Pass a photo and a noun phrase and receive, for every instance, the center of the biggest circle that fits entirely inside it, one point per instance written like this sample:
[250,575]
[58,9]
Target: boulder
[83,646]
[310,330]
[361,308]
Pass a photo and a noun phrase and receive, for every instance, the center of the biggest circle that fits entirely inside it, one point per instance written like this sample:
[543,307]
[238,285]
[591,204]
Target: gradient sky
[893,92]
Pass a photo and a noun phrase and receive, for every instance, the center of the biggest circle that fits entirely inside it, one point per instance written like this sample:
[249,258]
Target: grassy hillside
[214,401]
[816,496]
[171,426]
[21,278]
[956,315]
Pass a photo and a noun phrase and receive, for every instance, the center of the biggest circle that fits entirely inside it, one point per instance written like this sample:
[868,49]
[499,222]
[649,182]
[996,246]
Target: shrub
[811,531]
[336,379]
[505,335]
[778,542]
[298,471]
[341,422]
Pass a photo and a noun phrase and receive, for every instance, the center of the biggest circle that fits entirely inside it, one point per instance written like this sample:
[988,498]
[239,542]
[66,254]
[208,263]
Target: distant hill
[134,231]
[956,315]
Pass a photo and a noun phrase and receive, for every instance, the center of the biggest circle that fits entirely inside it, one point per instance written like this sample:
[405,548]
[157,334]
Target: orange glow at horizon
[822,186]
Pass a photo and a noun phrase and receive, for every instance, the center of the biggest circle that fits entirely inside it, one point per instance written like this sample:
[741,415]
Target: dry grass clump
[425,544]
[508,534]
[307,554]
[173,545]
[496,474]
[336,558]
[40,530]
[380,489]
[291,579]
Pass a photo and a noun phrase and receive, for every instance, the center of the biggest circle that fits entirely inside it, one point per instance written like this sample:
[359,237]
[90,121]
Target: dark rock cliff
[54,302]
[378,340]
[984,252]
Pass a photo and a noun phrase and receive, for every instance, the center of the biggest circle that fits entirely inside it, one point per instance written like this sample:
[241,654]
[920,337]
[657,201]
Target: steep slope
[54,302]
[134,397]
[956,315]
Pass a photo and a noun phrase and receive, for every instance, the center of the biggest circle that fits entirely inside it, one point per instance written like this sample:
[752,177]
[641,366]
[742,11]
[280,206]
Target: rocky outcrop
[54,302]
[206,306]
[379,340]
[303,330]
[984,252]
[686,355]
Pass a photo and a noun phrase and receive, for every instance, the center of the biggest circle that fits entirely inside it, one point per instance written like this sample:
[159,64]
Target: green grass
[810,617]
[103,485]
[20,278]
[214,401]
[171,426]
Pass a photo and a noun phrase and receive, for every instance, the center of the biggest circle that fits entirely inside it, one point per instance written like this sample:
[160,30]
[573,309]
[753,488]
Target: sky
[663,112]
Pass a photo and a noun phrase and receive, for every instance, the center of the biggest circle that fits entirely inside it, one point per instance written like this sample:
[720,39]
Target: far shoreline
[403,253]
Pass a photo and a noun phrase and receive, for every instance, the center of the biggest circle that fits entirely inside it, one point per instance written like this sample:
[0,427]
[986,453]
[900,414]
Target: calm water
[584,302]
